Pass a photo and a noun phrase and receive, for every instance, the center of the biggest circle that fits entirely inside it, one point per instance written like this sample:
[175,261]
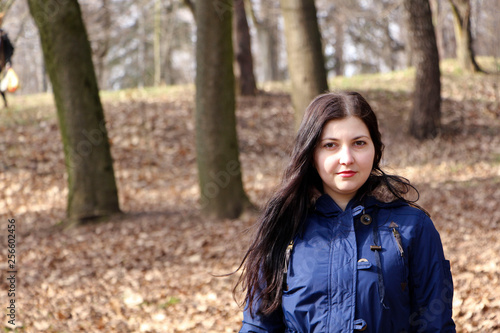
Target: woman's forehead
[349,126]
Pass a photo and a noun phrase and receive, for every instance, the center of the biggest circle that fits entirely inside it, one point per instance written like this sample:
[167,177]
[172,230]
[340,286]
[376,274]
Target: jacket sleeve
[431,284]
[263,324]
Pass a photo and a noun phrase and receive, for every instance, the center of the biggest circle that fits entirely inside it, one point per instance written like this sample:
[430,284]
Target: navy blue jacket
[387,275]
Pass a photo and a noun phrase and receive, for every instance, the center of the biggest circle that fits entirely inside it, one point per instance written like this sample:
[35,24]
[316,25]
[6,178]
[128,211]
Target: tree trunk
[339,66]
[306,63]
[219,170]
[157,43]
[141,49]
[247,84]
[102,46]
[437,20]
[425,118]
[169,75]
[66,49]
[461,21]
[267,38]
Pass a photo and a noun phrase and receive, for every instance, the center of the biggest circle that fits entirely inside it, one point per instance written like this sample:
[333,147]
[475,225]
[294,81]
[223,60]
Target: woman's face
[344,158]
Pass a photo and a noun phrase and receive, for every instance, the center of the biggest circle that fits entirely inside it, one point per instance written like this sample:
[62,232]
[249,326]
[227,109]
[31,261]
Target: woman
[339,246]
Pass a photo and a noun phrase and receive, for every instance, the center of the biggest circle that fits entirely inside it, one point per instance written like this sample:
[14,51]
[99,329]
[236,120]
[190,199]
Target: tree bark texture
[219,171]
[461,21]
[425,117]
[247,85]
[306,63]
[67,54]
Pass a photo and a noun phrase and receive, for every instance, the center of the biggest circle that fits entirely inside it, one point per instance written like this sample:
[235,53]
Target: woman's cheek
[329,164]
[332,159]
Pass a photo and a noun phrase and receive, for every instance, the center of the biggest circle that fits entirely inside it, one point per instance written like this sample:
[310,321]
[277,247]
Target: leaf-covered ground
[158,267]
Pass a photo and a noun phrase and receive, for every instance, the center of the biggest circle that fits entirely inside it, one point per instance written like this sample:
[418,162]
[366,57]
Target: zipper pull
[397,235]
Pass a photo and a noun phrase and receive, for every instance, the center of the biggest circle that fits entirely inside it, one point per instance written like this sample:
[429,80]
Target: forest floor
[158,267]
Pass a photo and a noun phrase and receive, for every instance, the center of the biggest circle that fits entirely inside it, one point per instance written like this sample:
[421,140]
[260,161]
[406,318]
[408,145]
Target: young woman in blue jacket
[339,246]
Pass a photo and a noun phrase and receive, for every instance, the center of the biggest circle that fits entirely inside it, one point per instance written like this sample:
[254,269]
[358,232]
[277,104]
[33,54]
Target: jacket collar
[326,206]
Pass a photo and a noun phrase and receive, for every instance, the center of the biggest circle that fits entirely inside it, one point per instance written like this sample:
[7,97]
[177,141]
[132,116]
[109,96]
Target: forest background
[155,268]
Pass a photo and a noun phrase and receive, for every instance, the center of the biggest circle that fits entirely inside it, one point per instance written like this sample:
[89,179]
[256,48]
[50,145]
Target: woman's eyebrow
[355,138]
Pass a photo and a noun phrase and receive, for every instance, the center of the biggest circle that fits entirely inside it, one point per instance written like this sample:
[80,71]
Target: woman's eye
[329,145]
[359,143]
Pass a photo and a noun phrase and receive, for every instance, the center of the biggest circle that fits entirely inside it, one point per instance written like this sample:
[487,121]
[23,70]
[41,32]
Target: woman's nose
[346,157]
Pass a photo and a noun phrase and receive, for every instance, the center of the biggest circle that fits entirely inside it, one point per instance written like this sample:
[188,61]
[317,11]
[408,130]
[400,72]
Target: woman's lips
[347,174]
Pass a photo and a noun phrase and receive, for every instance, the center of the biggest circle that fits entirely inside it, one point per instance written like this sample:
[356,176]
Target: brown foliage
[154,269]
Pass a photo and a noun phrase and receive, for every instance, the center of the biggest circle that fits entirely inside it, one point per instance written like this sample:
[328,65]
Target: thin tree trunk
[102,49]
[66,49]
[141,49]
[244,57]
[461,21]
[157,43]
[267,38]
[306,63]
[437,19]
[425,117]
[219,170]
[339,65]
[169,76]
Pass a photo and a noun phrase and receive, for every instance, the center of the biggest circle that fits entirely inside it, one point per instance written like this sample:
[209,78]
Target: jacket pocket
[397,254]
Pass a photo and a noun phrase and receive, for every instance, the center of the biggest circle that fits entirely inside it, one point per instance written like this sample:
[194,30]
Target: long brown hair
[284,214]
